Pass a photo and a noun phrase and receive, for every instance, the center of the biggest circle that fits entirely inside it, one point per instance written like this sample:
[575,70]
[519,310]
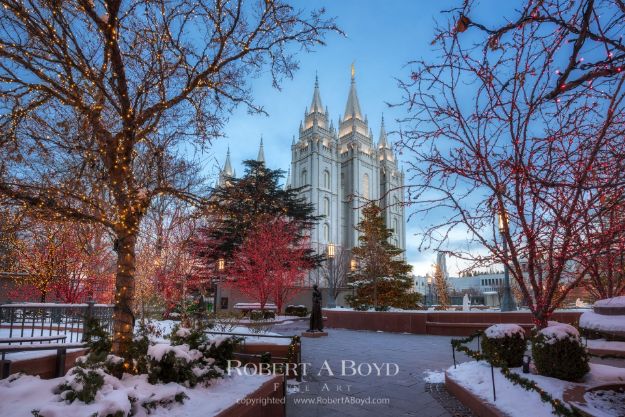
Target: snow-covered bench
[247,307]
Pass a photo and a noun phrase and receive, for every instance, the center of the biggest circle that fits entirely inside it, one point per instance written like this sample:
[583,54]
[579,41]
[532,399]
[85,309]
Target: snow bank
[159,350]
[611,302]
[611,324]
[183,332]
[20,395]
[434,377]
[476,377]
[559,331]
[499,331]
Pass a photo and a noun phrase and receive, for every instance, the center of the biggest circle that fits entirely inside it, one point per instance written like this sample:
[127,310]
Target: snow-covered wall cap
[499,331]
[559,331]
[611,302]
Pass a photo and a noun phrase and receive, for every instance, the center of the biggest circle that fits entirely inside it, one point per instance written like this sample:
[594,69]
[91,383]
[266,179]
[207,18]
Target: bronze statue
[316,320]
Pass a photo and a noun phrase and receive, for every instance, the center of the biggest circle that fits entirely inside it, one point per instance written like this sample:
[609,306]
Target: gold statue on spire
[353,70]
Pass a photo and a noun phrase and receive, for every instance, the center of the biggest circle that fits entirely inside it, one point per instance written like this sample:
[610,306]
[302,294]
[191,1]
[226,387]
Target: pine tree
[236,206]
[442,287]
[381,276]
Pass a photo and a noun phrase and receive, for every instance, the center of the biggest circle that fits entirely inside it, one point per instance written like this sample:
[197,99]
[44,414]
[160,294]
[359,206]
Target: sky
[380,39]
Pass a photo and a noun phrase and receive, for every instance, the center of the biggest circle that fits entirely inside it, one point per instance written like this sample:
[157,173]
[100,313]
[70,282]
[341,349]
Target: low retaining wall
[478,406]
[452,323]
[44,366]
[267,401]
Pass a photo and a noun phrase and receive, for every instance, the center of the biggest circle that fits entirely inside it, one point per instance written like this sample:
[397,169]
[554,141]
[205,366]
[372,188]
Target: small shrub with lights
[505,343]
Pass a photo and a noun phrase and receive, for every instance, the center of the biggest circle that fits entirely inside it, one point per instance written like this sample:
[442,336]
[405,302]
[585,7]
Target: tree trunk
[124,294]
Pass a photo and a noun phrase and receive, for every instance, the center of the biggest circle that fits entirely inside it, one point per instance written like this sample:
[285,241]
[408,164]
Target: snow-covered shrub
[220,349]
[194,337]
[382,308]
[81,384]
[558,352]
[299,311]
[168,363]
[505,343]
[256,315]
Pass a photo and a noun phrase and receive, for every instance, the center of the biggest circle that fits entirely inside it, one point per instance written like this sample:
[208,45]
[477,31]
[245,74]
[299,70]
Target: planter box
[45,366]
[449,323]
[471,401]
[267,401]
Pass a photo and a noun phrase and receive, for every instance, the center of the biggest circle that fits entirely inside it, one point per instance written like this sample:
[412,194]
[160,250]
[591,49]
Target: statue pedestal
[314,334]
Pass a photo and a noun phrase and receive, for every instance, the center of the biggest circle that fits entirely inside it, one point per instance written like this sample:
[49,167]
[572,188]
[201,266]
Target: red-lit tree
[70,263]
[604,260]
[521,118]
[271,263]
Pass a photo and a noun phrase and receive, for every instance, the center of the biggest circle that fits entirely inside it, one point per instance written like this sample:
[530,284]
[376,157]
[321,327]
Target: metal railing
[32,320]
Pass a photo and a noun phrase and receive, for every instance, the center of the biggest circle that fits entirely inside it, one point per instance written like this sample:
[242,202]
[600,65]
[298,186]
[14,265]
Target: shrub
[194,337]
[505,343]
[220,349]
[558,352]
[262,315]
[299,311]
[81,384]
[382,308]
[225,321]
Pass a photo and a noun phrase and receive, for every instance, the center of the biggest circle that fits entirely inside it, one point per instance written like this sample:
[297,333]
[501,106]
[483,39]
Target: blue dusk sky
[380,38]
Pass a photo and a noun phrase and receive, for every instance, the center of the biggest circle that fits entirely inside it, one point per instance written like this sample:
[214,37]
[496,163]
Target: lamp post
[221,265]
[429,296]
[353,264]
[331,275]
[507,303]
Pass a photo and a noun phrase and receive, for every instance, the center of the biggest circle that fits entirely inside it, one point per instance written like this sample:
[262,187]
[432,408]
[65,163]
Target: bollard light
[526,364]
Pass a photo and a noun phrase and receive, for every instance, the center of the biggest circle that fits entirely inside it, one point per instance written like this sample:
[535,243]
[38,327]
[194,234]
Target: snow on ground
[434,377]
[593,321]
[27,393]
[604,344]
[258,337]
[611,302]
[476,377]
[165,327]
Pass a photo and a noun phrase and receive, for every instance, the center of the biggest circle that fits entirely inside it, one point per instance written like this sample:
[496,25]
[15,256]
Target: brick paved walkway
[404,394]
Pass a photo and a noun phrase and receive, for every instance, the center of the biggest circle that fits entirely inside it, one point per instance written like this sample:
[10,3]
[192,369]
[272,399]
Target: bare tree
[105,103]
[522,121]
[336,270]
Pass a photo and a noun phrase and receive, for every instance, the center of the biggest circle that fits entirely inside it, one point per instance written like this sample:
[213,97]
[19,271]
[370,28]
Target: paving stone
[408,394]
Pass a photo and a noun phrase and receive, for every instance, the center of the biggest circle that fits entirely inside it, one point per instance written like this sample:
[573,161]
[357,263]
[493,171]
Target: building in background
[341,170]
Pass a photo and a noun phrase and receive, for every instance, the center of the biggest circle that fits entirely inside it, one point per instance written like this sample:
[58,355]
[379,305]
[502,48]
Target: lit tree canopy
[103,102]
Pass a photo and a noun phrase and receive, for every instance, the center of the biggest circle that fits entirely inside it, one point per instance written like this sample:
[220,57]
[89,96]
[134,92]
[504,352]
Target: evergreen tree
[381,276]
[235,207]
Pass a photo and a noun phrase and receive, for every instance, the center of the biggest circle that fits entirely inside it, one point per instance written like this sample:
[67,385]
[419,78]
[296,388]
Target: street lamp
[507,303]
[332,276]
[353,264]
[429,296]
[221,265]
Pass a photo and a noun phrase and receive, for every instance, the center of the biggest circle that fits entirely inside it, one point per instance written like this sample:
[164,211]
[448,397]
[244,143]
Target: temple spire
[316,105]
[383,142]
[228,166]
[261,151]
[352,108]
